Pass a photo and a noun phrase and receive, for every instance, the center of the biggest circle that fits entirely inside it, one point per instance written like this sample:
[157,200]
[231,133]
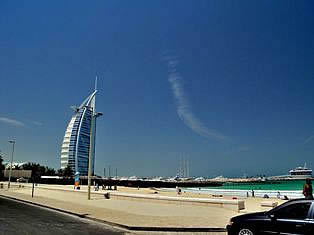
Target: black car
[293,217]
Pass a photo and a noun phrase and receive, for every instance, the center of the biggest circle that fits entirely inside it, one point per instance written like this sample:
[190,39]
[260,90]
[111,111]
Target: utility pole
[104,172]
[94,115]
[183,166]
[33,188]
[188,167]
[10,172]
[180,167]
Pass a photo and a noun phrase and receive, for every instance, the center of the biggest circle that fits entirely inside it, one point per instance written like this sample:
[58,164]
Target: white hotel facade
[76,142]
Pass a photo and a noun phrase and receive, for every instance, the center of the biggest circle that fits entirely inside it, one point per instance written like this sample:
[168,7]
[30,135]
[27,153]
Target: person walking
[307,189]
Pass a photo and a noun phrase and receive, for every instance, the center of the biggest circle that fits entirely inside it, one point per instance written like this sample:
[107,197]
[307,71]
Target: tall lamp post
[10,172]
[1,159]
[94,115]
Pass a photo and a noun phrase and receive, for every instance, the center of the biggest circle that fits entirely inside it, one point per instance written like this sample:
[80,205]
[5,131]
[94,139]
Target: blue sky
[228,84]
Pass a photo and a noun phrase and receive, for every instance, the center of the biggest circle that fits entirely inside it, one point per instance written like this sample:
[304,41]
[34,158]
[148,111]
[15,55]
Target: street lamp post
[10,172]
[94,115]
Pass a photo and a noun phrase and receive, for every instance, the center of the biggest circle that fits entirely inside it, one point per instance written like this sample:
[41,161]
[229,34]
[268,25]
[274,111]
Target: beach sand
[151,213]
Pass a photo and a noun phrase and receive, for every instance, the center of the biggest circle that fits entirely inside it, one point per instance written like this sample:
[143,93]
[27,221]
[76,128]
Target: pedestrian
[278,195]
[307,189]
[253,193]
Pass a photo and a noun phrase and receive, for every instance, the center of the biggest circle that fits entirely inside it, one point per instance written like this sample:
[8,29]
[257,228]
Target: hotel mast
[76,141]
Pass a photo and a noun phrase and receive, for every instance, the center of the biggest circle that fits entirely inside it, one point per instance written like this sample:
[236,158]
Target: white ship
[301,172]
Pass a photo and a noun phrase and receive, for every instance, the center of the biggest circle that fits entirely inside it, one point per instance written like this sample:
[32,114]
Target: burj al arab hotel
[80,135]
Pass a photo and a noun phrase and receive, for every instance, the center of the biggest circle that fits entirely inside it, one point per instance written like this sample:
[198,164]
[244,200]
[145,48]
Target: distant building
[76,142]
[15,165]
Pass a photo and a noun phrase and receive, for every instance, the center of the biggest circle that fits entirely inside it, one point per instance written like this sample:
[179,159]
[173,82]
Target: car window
[294,211]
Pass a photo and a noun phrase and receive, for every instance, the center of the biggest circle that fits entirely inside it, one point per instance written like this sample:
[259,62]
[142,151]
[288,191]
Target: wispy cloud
[36,123]
[309,139]
[12,122]
[183,107]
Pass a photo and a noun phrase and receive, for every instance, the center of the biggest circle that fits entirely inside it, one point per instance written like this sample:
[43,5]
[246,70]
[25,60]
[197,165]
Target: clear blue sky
[229,84]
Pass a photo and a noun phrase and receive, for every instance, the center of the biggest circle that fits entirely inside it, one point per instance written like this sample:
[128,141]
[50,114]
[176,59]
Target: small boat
[301,172]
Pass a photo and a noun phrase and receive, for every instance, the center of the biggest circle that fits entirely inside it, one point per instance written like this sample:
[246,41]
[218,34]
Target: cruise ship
[301,172]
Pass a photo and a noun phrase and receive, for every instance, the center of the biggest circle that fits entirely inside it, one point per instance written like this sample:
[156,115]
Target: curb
[226,203]
[122,226]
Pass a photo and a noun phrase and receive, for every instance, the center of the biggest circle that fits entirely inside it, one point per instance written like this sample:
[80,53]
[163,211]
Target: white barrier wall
[18,173]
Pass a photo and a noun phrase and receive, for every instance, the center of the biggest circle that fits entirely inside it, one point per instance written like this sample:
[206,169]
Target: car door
[309,227]
[293,219]
[266,226]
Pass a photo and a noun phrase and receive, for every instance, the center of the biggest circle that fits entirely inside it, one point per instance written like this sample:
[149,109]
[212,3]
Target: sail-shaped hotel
[76,142]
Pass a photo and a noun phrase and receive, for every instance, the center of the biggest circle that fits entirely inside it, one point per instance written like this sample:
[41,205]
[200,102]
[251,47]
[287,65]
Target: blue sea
[272,189]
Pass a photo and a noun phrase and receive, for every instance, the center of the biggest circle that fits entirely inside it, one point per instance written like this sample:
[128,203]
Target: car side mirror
[272,216]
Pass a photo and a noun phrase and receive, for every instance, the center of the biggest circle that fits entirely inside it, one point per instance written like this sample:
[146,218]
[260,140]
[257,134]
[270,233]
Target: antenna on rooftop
[96,83]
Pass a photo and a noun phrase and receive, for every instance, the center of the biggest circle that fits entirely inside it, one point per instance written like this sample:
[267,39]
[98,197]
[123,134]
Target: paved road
[20,218]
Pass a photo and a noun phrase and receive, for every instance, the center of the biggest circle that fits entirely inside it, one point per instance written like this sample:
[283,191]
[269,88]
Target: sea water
[267,185]
[273,189]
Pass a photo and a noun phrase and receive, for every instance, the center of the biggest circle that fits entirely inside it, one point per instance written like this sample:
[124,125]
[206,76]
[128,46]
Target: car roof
[292,201]
[301,199]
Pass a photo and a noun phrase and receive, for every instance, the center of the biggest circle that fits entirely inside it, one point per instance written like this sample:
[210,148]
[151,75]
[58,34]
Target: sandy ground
[133,212]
